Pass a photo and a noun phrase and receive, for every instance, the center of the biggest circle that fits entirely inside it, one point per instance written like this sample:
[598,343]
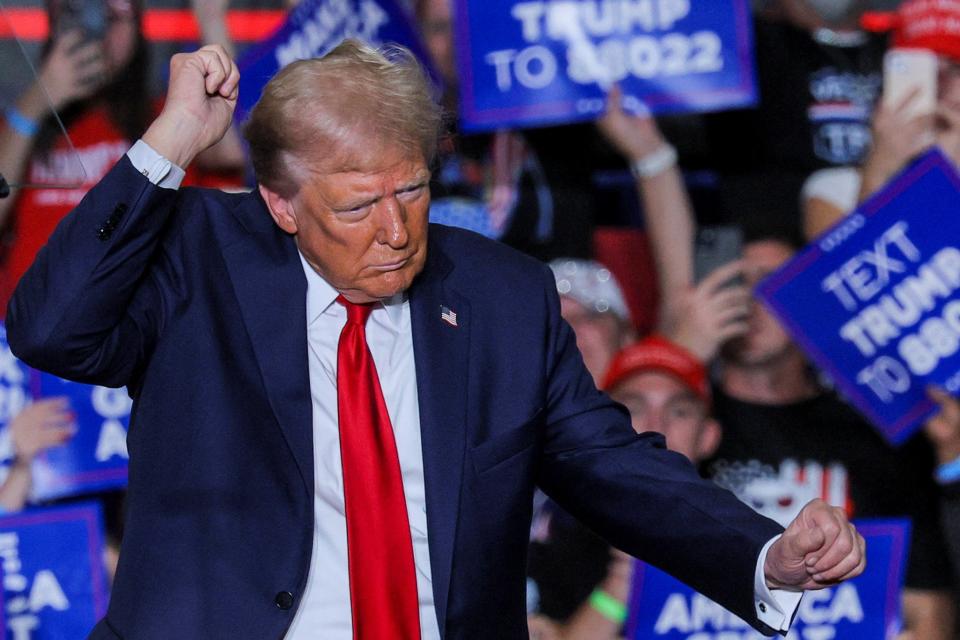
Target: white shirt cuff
[774,607]
[154,166]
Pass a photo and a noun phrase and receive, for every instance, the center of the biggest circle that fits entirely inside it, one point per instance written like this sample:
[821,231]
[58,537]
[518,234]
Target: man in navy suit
[221,313]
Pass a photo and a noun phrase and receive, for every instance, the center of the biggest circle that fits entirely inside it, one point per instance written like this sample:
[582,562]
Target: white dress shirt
[324,609]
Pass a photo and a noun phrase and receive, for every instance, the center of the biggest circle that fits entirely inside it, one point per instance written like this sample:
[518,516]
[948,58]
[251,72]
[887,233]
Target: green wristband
[608,606]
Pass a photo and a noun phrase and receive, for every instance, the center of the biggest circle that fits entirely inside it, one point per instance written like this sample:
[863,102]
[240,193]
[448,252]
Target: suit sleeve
[91,306]
[644,499]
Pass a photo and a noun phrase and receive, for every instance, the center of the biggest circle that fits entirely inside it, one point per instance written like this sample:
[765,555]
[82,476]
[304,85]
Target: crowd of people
[717,376]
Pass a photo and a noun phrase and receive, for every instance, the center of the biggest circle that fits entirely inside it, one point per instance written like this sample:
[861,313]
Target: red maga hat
[655,353]
[921,24]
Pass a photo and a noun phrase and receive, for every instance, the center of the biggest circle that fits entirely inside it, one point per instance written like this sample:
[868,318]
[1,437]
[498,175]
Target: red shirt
[65,176]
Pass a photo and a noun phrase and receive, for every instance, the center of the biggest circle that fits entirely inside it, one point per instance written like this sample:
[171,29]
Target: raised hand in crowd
[201,97]
[707,315]
[229,154]
[211,15]
[45,423]
[667,211]
[900,134]
[74,70]
[634,136]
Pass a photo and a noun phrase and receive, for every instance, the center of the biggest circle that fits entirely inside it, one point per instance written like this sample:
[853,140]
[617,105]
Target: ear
[281,209]
[709,440]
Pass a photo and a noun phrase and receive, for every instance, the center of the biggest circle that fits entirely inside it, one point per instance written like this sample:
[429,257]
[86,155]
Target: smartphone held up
[911,72]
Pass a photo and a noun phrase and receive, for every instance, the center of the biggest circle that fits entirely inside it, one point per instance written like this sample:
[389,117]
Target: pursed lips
[391,266]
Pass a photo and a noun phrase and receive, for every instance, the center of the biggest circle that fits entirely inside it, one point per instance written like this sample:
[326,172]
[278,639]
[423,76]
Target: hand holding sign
[41,425]
[635,137]
[201,98]
[819,548]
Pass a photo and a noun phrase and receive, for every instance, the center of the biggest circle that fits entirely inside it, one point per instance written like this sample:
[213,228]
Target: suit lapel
[269,283]
[441,350]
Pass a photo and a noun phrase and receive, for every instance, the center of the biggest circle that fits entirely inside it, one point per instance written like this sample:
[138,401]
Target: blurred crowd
[622,209]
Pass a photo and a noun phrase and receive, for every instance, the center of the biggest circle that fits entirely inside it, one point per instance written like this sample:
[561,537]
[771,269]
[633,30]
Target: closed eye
[413,191]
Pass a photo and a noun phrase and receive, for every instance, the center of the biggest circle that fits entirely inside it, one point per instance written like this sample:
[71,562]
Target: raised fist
[199,108]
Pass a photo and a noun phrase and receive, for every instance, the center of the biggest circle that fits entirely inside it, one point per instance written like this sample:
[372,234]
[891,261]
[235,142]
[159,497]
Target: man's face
[599,335]
[765,340]
[364,231]
[661,403]
[948,83]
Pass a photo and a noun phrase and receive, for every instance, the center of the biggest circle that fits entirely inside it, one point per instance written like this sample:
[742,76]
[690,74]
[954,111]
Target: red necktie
[383,581]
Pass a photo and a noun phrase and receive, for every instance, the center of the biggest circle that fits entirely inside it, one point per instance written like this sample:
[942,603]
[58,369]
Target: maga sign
[866,608]
[54,583]
[873,300]
[537,62]
[313,28]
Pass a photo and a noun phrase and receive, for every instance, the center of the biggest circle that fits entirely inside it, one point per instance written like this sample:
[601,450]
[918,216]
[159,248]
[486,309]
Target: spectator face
[436,26]
[599,335]
[765,341]
[660,402]
[948,82]
[120,41]
[364,229]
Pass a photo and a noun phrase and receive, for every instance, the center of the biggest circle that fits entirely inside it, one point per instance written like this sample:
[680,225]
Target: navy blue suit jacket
[195,300]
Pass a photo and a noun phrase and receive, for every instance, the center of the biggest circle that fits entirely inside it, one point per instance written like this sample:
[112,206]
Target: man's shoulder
[214,208]
[478,258]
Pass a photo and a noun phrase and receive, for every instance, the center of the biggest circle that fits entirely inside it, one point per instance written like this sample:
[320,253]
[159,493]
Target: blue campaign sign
[15,394]
[54,583]
[313,28]
[873,300]
[96,457]
[866,608]
[539,62]
[14,389]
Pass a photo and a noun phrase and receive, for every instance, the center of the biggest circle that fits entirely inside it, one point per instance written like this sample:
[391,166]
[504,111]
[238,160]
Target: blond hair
[340,112]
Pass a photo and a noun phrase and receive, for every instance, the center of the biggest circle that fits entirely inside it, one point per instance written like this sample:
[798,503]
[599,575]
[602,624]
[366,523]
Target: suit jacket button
[284,600]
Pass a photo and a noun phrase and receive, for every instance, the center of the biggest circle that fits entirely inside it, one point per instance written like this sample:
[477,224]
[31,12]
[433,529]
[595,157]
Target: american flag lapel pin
[448,315]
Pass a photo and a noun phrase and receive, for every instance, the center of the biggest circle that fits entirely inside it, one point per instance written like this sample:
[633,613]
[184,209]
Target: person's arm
[39,426]
[898,136]
[630,490]
[229,153]
[668,215]
[72,71]
[90,306]
[699,318]
[602,616]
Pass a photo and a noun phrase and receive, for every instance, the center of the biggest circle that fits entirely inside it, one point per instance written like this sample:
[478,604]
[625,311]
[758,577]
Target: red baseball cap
[920,24]
[655,353]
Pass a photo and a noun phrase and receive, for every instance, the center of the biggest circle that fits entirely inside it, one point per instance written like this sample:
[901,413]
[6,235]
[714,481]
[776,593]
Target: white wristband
[654,163]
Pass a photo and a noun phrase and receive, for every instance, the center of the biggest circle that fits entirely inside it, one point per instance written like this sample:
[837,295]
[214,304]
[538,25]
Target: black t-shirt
[816,101]
[566,562]
[778,458]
